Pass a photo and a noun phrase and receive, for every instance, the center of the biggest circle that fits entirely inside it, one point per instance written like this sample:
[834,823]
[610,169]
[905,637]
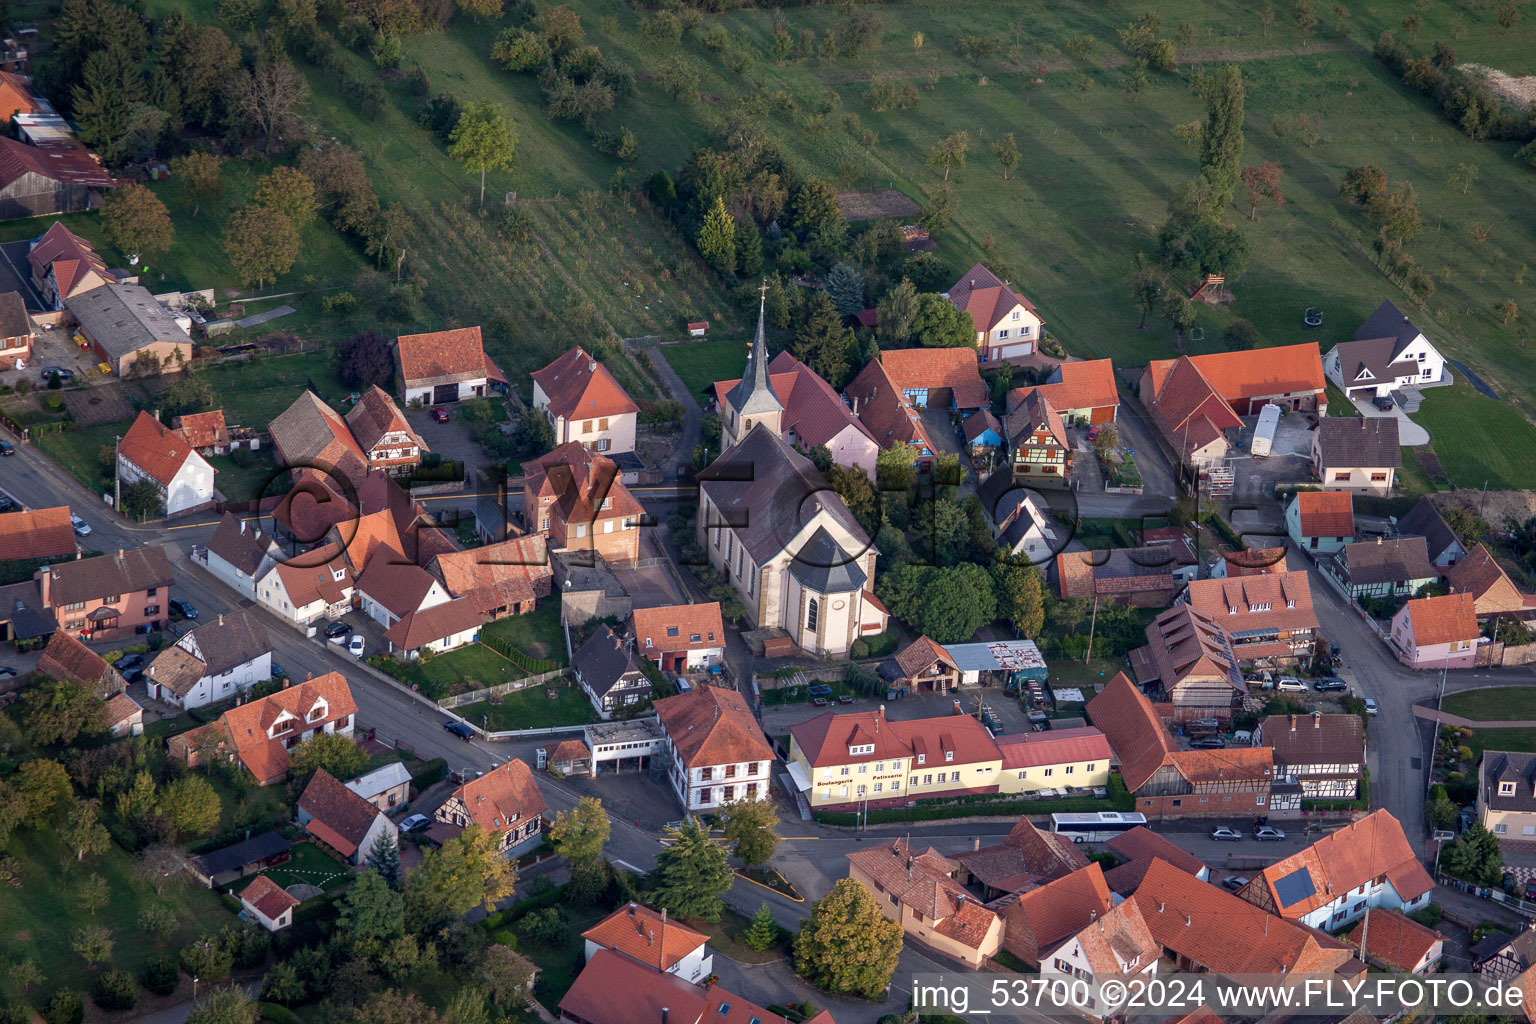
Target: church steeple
[752,400]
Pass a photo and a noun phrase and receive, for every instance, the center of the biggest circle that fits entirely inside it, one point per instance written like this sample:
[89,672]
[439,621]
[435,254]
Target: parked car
[1383,402]
[440,415]
[6,503]
[63,373]
[82,528]
[1093,434]
[133,675]
[1223,834]
[1530,888]
[181,606]
[278,672]
[1291,684]
[460,730]
[1207,743]
[6,672]
[414,822]
[6,448]
[337,632]
[355,645]
[1370,706]
[1330,684]
[128,661]
[1266,833]
[1235,882]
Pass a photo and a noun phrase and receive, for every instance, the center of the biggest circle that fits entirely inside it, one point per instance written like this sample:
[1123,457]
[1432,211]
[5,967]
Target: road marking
[627,866]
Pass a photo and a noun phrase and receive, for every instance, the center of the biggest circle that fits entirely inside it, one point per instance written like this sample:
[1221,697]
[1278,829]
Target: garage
[1017,350]
[445,393]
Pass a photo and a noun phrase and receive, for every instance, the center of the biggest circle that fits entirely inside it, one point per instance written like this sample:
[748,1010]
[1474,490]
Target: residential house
[1248,562]
[1172,783]
[1382,568]
[341,819]
[16,95]
[924,666]
[1360,454]
[1321,521]
[1007,325]
[387,787]
[68,660]
[91,596]
[1190,662]
[918,891]
[844,762]
[1398,944]
[1506,798]
[1424,520]
[1189,411]
[437,628]
[503,578]
[38,533]
[315,585]
[206,432]
[1203,927]
[368,535]
[267,904]
[1058,760]
[1147,577]
[1325,753]
[1330,883]
[715,748]
[608,670]
[1493,593]
[221,658]
[1037,921]
[445,366]
[1042,452]
[124,324]
[1137,849]
[1290,376]
[239,554]
[1502,955]
[63,263]
[1026,857]
[259,733]
[505,801]
[1020,525]
[15,331]
[310,435]
[385,436]
[1388,353]
[648,938]
[152,451]
[585,403]
[984,435]
[24,620]
[36,181]
[568,757]
[1117,945]
[577,501]
[1437,632]
[1266,617]
[937,378]
[1082,391]
[679,637]
[391,587]
[124,716]
[814,415]
[613,989]
[790,548]
[886,414]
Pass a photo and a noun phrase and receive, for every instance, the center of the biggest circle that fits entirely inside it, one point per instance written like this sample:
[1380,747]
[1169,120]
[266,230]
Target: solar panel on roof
[1294,887]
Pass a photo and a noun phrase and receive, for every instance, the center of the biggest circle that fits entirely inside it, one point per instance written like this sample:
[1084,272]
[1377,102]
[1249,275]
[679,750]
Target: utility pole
[1092,623]
[1429,767]
[117,490]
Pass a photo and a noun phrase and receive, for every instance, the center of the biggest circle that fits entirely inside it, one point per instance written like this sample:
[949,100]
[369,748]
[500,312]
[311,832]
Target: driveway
[1409,433]
[1151,462]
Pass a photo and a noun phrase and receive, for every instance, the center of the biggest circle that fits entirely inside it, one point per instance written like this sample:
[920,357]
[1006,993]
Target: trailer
[1264,430]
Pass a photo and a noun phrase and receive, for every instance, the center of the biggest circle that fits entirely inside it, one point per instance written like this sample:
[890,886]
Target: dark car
[1207,743]
[6,672]
[278,672]
[184,608]
[1331,683]
[128,661]
[60,372]
[1530,889]
[1383,402]
[337,629]
[460,730]
[6,503]
[1234,882]
[6,448]
[133,675]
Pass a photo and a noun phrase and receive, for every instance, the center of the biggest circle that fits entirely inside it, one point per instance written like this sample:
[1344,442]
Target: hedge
[430,773]
[277,1014]
[987,806]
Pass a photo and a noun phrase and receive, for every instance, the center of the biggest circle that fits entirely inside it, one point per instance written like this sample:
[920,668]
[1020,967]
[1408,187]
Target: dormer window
[317,712]
[856,750]
[1506,789]
[922,758]
[338,575]
[949,755]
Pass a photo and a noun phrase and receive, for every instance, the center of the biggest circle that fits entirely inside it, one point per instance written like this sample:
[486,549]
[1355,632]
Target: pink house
[1437,632]
[110,594]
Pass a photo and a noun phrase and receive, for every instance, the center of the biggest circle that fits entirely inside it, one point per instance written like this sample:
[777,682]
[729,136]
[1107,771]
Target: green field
[701,363]
[1480,440]
[307,864]
[532,709]
[1494,704]
[537,634]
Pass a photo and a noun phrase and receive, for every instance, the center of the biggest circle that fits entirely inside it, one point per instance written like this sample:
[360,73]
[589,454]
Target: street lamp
[1434,737]
[194,988]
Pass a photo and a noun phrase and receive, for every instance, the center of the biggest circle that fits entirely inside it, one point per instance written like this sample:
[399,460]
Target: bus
[1096,827]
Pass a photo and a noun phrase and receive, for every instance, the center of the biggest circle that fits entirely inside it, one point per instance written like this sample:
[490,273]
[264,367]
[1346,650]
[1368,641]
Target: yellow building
[1061,759]
[917,891]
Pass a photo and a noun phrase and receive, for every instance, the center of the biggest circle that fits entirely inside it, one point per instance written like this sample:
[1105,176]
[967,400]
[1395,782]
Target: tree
[1006,149]
[821,341]
[845,287]
[25,973]
[560,26]
[262,244]
[848,947]
[468,1004]
[59,710]
[749,249]
[44,788]
[110,85]
[1364,183]
[227,1005]
[939,323]
[267,97]
[518,49]
[764,931]
[505,976]
[853,485]
[64,1007]
[1441,811]
[1221,147]
[93,943]
[466,871]
[372,915]
[1306,17]
[1396,214]
[1508,15]
[1020,596]
[115,990]
[482,9]
[814,207]
[1262,182]
[1462,178]
[483,140]
[896,467]
[1508,312]
[691,874]
[1146,288]
[1474,857]
[716,240]
[1180,312]
[948,604]
[141,499]
[367,359]
[949,154]
[93,893]
[384,857]
[578,835]
[337,753]
[288,190]
[749,827]
[191,805]
[895,313]
[83,833]
[136,221]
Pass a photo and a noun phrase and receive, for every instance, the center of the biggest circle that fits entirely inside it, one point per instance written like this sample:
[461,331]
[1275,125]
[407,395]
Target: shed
[240,859]
[696,328]
[1006,662]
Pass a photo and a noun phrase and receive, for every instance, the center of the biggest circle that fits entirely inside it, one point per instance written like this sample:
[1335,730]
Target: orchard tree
[261,244]
[1364,183]
[1180,312]
[1462,177]
[288,191]
[1146,288]
[691,874]
[468,870]
[1006,149]
[848,947]
[136,221]
[749,826]
[44,789]
[83,832]
[93,943]
[578,835]
[1262,182]
[267,97]
[1508,312]
[949,154]
[191,805]
[201,174]
[484,139]
[228,1005]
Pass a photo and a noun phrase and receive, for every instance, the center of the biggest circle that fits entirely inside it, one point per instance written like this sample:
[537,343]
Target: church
[769,523]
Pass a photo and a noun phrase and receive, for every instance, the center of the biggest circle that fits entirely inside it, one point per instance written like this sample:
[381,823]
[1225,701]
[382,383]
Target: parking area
[451,440]
[54,348]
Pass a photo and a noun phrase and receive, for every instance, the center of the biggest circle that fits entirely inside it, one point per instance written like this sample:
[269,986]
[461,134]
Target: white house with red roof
[649,938]
[584,402]
[506,802]
[1082,392]
[382,432]
[715,748]
[445,366]
[268,904]
[1112,945]
[679,637]
[152,451]
[813,416]
[1007,325]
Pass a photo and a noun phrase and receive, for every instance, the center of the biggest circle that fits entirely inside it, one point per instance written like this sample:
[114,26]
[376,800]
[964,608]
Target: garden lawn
[38,919]
[79,451]
[531,709]
[560,963]
[307,863]
[1102,534]
[1523,740]
[701,363]
[1494,704]
[1479,439]
[537,634]
[472,667]
[247,476]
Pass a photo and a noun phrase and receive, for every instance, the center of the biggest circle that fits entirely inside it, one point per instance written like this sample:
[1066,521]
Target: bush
[66,1007]
[429,774]
[276,1014]
[881,645]
[115,990]
[504,938]
[161,975]
[1428,916]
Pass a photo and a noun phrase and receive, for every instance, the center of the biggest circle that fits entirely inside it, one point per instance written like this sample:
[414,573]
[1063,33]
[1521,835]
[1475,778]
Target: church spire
[754,394]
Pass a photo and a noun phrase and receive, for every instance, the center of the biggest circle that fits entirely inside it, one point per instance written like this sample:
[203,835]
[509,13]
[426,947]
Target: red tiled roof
[155,448]
[375,415]
[1326,513]
[70,256]
[569,750]
[921,653]
[66,658]
[1084,384]
[1480,575]
[1276,600]
[503,798]
[1141,843]
[1137,736]
[122,708]
[645,936]
[883,411]
[36,533]
[579,480]
[1346,859]
[16,97]
[1229,765]
[826,738]
[246,725]
[613,989]
[922,883]
[66,162]
[1058,746]
[268,897]
[1285,369]
[340,817]
[500,575]
[711,726]
[580,387]
[1192,409]
[1445,619]
[812,409]
[953,368]
[669,629]
[1059,909]
[1117,941]
[980,293]
[1394,940]
[309,434]
[438,622]
[455,353]
[203,429]
[395,582]
[310,577]
[1254,561]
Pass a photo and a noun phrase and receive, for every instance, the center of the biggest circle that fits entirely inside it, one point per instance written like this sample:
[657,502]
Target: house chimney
[664,1011]
[1293,723]
[1317,719]
[591,365]
[975,843]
